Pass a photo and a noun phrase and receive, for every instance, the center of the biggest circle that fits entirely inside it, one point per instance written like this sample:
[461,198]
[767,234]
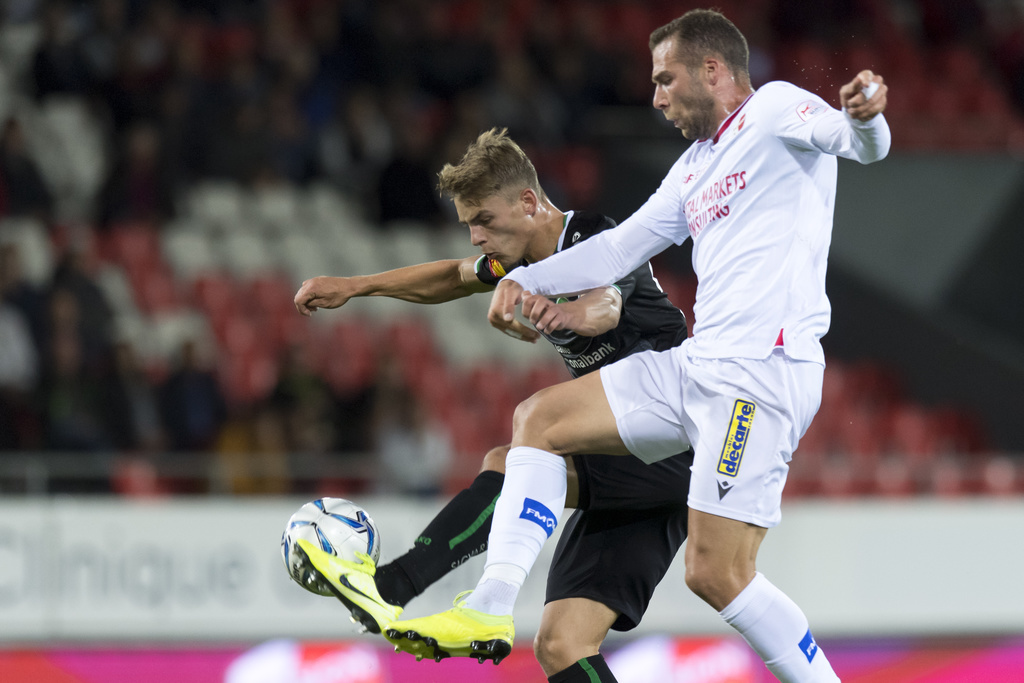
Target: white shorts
[744,418]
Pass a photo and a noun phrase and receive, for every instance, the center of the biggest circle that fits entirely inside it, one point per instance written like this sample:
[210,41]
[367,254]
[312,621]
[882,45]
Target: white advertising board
[113,571]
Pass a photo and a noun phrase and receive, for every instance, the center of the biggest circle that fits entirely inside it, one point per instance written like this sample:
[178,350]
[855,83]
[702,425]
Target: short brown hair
[493,164]
[703,32]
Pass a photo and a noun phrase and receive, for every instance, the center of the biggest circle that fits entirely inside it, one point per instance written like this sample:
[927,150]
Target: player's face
[499,228]
[683,97]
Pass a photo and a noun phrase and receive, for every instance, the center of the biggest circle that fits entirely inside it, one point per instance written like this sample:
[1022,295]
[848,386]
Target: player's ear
[712,70]
[529,200]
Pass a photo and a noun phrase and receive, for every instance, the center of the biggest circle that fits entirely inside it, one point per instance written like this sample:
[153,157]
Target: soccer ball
[335,525]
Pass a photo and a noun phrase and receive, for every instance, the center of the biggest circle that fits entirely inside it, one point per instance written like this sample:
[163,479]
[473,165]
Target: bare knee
[531,423]
[494,460]
[556,652]
[715,581]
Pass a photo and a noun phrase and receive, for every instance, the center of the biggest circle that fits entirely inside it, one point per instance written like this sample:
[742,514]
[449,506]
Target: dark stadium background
[170,172]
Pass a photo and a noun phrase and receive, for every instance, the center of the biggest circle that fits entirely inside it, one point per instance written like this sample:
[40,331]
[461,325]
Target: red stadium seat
[912,433]
[248,377]
[840,478]
[155,289]
[216,294]
[135,246]
[947,478]
[893,477]
[349,359]
[1002,476]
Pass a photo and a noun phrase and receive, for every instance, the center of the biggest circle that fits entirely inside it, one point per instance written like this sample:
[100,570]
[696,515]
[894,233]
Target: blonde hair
[492,165]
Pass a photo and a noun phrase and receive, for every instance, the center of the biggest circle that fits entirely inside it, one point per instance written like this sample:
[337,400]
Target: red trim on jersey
[725,124]
[778,342]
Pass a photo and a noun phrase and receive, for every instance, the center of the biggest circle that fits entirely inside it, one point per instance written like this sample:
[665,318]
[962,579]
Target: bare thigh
[568,418]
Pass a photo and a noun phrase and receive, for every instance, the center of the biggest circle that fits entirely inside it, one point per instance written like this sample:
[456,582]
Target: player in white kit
[755,193]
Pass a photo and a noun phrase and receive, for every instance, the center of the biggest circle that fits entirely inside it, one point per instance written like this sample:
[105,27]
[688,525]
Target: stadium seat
[323,204]
[246,254]
[216,294]
[190,253]
[134,245]
[839,477]
[169,330]
[270,294]
[301,257]
[116,287]
[860,434]
[156,289]
[247,377]
[893,477]
[947,478]
[405,243]
[349,359]
[1002,476]
[911,433]
[74,156]
[274,209]
[216,206]
[34,248]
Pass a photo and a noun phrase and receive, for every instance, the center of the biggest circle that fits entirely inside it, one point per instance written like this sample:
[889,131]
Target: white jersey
[757,199]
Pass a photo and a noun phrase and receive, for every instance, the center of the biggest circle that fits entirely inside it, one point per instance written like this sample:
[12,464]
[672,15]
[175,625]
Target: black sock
[457,533]
[590,670]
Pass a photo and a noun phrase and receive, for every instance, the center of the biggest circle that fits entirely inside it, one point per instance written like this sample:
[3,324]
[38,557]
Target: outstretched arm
[426,283]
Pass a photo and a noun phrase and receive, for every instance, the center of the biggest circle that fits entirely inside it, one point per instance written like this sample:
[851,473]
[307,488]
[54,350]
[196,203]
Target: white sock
[526,514]
[778,631]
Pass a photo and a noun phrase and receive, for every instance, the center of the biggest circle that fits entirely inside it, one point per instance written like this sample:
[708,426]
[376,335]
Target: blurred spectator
[521,101]
[239,151]
[414,450]
[15,290]
[18,376]
[406,188]
[72,395]
[132,406]
[138,189]
[91,314]
[23,192]
[290,146]
[357,143]
[305,403]
[252,452]
[59,66]
[191,403]
[102,41]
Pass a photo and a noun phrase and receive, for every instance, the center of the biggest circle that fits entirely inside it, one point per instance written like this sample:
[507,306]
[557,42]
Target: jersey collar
[565,229]
[729,119]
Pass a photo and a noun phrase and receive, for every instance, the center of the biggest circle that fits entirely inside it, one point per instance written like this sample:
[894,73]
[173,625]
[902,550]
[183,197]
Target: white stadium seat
[245,254]
[190,253]
[33,246]
[217,205]
[275,209]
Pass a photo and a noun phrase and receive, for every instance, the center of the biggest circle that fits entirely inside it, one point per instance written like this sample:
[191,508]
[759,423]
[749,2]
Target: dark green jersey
[648,320]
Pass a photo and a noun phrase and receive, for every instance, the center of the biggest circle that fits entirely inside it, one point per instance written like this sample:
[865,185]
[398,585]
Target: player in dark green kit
[624,508]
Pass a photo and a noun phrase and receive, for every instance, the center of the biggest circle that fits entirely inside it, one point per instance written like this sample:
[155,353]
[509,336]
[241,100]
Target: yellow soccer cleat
[353,584]
[459,632]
